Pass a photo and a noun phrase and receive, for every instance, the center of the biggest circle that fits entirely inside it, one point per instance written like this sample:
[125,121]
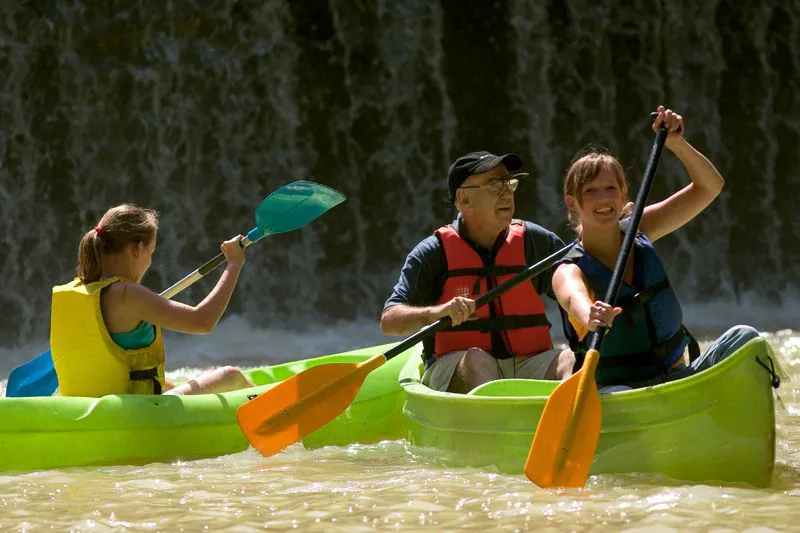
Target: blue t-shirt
[423,275]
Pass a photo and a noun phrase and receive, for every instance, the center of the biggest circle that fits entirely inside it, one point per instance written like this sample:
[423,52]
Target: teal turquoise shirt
[141,336]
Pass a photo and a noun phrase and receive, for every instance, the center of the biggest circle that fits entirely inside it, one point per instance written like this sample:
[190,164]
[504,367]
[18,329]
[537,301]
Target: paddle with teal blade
[290,207]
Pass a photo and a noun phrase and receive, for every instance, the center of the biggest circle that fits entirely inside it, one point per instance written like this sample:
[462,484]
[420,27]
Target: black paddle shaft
[530,272]
[207,267]
[630,235]
[211,264]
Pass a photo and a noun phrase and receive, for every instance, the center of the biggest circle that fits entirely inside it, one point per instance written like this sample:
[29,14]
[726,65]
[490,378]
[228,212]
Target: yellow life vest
[87,361]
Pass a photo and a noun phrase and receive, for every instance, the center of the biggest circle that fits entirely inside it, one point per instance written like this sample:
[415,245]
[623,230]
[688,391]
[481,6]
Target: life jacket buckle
[643,297]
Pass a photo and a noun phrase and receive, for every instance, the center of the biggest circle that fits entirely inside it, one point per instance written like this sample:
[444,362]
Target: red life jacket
[519,314]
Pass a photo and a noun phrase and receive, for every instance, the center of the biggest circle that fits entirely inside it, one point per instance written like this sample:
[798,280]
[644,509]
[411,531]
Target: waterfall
[200,108]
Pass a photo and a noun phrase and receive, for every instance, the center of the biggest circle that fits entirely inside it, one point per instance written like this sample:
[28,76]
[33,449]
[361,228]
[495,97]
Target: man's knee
[477,358]
[475,367]
[562,365]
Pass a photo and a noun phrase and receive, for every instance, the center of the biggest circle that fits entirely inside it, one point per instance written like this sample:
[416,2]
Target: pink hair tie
[99,230]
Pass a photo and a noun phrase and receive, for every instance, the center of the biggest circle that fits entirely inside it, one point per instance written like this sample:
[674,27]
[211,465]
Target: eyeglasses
[496,186]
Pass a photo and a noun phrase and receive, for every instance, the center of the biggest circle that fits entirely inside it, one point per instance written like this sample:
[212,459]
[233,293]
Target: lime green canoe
[55,432]
[718,425]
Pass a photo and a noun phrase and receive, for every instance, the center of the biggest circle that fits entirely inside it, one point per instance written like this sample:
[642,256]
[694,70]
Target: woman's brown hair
[583,169]
[118,227]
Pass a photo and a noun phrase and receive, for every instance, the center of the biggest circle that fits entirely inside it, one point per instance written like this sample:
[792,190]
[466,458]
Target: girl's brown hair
[119,227]
[583,169]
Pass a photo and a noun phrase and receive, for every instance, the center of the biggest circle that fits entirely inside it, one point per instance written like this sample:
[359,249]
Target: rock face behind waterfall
[199,108]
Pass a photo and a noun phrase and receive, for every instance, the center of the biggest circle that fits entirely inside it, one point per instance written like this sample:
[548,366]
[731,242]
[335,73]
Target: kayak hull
[718,425]
[56,432]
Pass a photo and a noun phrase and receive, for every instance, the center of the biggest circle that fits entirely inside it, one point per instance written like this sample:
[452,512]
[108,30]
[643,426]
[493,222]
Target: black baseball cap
[478,163]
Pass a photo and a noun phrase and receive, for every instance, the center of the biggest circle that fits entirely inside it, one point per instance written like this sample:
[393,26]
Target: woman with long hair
[648,340]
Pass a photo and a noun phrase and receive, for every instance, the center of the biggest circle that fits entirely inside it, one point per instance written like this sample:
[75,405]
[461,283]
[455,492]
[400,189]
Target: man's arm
[410,306]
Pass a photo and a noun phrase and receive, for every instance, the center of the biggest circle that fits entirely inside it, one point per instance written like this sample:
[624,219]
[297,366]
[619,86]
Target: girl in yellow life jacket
[647,342]
[105,334]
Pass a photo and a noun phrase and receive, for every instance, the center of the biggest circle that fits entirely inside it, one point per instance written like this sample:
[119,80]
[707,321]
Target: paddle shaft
[301,404]
[530,272]
[207,267]
[16,385]
[586,379]
[290,207]
[281,203]
[630,235]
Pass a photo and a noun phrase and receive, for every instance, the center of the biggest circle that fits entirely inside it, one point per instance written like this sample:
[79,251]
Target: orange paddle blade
[566,437]
[303,403]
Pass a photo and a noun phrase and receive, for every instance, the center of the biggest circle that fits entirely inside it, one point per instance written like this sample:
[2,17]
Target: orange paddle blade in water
[303,403]
[566,437]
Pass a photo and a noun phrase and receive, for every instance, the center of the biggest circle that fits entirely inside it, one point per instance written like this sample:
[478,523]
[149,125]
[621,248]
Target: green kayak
[718,425]
[55,432]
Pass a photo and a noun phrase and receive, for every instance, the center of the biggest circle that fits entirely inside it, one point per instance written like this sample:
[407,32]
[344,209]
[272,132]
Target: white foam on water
[237,341]
[750,308]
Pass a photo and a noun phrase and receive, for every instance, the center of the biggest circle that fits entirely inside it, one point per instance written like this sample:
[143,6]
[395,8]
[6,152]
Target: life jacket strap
[643,296]
[655,356]
[500,323]
[486,272]
[492,271]
[147,374]
[642,359]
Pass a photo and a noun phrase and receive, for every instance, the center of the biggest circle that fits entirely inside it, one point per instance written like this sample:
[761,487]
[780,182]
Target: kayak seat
[515,387]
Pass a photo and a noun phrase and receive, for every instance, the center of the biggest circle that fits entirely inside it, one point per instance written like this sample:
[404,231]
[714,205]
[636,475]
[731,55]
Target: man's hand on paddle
[459,309]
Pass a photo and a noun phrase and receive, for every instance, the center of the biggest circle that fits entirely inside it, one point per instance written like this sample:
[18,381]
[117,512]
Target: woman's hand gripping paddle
[288,208]
[563,446]
[307,401]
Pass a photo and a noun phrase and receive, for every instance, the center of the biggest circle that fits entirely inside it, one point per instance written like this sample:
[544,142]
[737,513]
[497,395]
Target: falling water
[201,108]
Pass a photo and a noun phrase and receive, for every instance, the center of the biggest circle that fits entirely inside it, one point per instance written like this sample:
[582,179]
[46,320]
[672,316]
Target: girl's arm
[143,304]
[666,216]
[573,296]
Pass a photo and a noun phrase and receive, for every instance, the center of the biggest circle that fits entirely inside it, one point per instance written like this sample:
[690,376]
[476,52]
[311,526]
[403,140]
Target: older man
[481,248]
